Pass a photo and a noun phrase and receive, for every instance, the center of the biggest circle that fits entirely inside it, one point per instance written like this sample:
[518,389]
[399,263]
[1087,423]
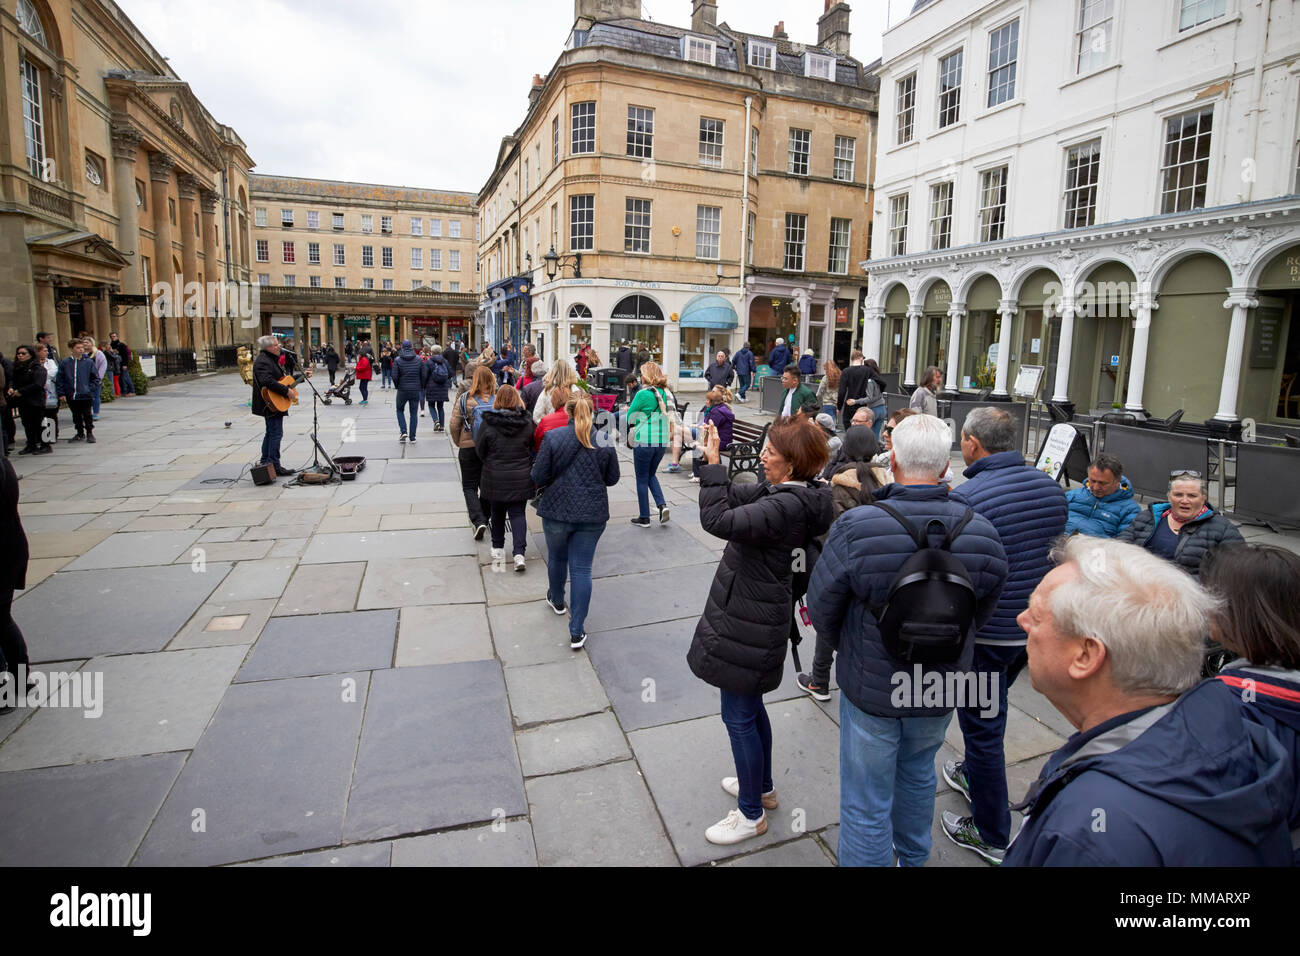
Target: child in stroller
[341,390]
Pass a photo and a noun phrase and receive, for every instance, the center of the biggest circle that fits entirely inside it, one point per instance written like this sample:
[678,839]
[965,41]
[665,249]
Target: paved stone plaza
[336,676]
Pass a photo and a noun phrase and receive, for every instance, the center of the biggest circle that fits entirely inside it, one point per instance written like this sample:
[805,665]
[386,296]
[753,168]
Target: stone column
[188,188]
[1143,304]
[47,318]
[208,200]
[1006,309]
[914,312]
[160,173]
[1240,300]
[874,319]
[374,333]
[956,312]
[1061,391]
[126,143]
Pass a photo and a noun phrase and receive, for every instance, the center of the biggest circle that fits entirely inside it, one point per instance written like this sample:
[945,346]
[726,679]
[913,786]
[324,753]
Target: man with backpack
[900,589]
[1029,511]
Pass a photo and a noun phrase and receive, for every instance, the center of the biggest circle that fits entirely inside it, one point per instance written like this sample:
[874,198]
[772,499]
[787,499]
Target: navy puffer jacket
[1197,538]
[573,478]
[1029,510]
[863,552]
[437,379]
[408,372]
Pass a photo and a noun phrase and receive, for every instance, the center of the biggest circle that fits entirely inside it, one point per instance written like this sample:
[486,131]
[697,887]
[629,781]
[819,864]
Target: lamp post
[555,262]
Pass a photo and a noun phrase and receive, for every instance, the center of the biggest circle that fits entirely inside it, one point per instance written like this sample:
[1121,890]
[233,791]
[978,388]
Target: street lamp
[555,262]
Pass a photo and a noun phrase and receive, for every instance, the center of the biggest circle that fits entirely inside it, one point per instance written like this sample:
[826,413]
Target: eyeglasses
[888,429]
[1184,472]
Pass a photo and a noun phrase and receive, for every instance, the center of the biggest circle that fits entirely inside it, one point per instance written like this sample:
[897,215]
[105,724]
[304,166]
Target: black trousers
[471,472]
[518,524]
[13,649]
[33,423]
[10,428]
[333,372]
[81,415]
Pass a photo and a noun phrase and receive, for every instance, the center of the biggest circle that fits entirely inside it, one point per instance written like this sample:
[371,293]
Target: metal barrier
[958,409]
[893,380]
[1149,456]
[173,361]
[227,356]
[1266,482]
[771,391]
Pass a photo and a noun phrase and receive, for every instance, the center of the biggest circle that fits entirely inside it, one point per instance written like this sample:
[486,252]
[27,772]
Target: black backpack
[930,611]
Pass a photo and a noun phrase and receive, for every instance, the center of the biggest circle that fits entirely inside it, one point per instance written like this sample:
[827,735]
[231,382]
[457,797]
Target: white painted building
[1034,154]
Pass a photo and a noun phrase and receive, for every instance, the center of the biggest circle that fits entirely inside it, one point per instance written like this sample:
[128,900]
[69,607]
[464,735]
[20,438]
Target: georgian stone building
[1102,189]
[714,183]
[113,177]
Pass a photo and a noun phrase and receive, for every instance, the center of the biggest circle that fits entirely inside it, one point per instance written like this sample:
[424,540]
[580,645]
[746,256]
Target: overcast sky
[403,92]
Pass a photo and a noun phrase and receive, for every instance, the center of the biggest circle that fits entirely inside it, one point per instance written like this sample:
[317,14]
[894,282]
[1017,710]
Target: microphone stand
[318,452]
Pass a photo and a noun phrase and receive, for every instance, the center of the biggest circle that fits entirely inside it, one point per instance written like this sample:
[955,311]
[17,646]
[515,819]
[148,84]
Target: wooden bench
[746,444]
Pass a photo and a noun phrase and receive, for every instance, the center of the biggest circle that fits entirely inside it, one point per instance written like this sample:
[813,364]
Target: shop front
[708,325]
[507,315]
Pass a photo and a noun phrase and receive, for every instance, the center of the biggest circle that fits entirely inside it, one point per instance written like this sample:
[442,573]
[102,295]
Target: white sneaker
[519,562]
[498,554]
[734,828]
[732,786]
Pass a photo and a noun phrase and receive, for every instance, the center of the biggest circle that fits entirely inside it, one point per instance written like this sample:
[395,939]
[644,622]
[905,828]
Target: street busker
[480,388]
[267,373]
[437,387]
[740,641]
[899,591]
[408,375]
[505,444]
[1258,590]
[1166,769]
[573,471]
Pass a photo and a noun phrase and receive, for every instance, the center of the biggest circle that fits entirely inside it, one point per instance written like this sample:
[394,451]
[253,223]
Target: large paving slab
[625,549]
[366,854]
[800,853]
[541,693]
[668,594]
[92,814]
[437,751]
[407,582]
[501,843]
[136,549]
[63,617]
[148,703]
[270,775]
[446,634]
[322,589]
[254,580]
[574,815]
[235,622]
[322,644]
[684,765]
[430,469]
[571,745]
[529,633]
[387,545]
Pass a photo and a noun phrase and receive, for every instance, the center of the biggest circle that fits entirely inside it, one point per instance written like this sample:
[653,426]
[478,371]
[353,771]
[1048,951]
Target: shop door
[1112,361]
[843,347]
[934,345]
[1288,392]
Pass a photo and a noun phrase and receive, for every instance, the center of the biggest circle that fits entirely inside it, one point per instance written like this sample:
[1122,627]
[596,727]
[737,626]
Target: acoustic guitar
[280,402]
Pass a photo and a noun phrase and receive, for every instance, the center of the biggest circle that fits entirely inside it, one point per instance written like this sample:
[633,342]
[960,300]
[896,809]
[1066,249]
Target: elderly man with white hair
[900,654]
[267,373]
[1163,771]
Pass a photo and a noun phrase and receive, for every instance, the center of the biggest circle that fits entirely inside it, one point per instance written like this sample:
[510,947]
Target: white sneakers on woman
[734,828]
[732,786]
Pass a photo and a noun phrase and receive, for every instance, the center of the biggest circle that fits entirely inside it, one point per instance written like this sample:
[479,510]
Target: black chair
[984,394]
[1119,418]
[1058,414]
[1164,424]
[1292,441]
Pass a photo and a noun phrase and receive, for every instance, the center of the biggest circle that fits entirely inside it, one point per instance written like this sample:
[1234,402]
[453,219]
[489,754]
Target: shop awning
[709,312]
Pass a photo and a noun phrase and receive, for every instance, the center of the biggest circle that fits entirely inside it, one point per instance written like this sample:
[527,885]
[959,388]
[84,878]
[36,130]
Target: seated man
[863,416]
[1104,506]
[1151,779]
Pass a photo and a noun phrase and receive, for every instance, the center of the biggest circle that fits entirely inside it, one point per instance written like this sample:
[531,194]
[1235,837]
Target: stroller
[341,390]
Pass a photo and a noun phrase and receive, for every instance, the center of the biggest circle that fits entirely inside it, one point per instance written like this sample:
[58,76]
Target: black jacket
[1196,539]
[624,359]
[267,373]
[853,383]
[13,541]
[409,372]
[331,360]
[505,443]
[531,392]
[434,390]
[717,374]
[740,641]
[29,380]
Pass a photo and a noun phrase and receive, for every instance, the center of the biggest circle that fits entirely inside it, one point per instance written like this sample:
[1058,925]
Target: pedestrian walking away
[740,641]
[505,444]
[650,421]
[437,387]
[364,375]
[744,363]
[480,387]
[573,472]
[409,376]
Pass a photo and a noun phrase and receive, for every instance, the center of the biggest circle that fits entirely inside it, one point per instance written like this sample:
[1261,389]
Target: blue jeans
[887,784]
[986,759]
[881,412]
[751,747]
[271,440]
[571,548]
[436,412]
[645,463]
[364,385]
[387,379]
[408,398]
[94,402]
[745,381]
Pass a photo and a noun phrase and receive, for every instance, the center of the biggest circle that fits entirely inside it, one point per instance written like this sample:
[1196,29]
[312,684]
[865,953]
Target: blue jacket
[504,360]
[863,551]
[573,478]
[1192,783]
[1028,509]
[434,390]
[1101,517]
[409,371]
[1274,704]
[778,359]
[808,365]
[77,378]
[743,361]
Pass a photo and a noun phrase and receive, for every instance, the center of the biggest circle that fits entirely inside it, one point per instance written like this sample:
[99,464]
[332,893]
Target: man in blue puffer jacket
[409,376]
[1029,511]
[886,735]
[779,357]
[1104,506]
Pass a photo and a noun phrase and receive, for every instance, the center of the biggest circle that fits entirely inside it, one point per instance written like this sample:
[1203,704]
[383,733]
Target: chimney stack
[704,15]
[535,93]
[778,32]
[833,28]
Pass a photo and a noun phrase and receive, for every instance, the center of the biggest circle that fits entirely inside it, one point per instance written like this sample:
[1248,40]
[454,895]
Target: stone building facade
[715,183]
[113,178]
[1105,191]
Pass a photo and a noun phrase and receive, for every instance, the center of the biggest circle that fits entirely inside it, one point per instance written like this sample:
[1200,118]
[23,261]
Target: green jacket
[803,395]
[649,424]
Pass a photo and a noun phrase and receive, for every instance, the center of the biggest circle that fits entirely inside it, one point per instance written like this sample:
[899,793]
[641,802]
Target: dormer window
[699,50]
[762,55]
[818,67]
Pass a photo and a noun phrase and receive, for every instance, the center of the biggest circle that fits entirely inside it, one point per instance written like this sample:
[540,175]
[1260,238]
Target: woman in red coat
[364,374]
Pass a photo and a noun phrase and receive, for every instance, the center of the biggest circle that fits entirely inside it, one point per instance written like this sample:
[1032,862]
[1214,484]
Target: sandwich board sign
[1052,455]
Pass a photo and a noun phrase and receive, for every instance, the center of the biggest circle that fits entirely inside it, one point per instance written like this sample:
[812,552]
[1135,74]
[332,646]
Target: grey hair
[266,341]
[1152,616]
[994,428]
[437,350]
[1205,485]
[922,444]
[538,369]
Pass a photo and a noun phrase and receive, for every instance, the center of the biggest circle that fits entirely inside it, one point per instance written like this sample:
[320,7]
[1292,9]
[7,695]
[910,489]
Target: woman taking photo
[651,425]
[717,413]
[574,470]
[740,642]
[27,393]
[505,445]
[828,391]
[481,389]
